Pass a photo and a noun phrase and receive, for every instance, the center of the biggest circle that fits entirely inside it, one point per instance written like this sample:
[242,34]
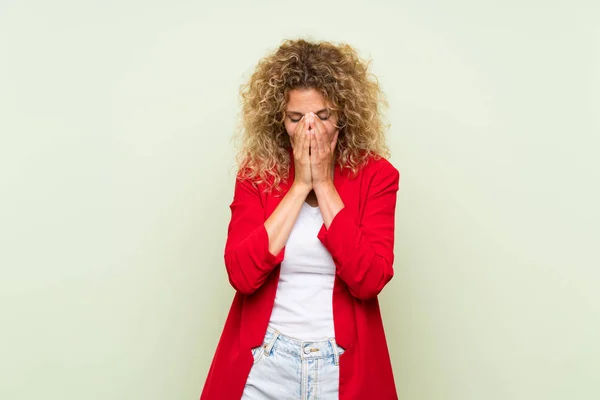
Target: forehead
[305,100]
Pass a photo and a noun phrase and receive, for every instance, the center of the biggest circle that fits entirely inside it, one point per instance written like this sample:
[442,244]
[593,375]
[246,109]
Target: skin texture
[313,135]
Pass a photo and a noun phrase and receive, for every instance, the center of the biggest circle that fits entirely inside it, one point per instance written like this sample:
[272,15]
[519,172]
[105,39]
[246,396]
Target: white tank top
[303,303]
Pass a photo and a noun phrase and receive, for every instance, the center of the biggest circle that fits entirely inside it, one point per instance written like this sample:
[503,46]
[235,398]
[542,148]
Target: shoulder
[379,176]
[250,181]
[380,167]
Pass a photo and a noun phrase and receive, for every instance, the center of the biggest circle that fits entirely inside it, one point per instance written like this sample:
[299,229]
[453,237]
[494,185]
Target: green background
[116,175]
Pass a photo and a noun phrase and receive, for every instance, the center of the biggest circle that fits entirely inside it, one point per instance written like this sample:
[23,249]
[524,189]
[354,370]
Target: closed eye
[323,116]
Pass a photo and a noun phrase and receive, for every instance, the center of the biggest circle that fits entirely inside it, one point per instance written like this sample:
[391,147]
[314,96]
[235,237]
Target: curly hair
[343,79]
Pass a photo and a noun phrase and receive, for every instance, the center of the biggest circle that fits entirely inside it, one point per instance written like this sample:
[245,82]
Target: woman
[311,237]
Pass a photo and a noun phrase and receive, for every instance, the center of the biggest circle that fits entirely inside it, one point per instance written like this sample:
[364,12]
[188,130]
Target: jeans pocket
[258,353]
[340,349]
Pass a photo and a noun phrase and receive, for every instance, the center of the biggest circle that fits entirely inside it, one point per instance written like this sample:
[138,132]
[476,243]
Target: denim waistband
[299,348]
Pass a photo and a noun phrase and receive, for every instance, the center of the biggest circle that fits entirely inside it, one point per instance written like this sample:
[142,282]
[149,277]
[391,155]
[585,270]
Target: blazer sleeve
[364,253]
[247,257]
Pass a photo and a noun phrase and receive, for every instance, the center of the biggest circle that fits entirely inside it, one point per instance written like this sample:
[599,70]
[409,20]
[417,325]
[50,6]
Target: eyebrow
[299,113]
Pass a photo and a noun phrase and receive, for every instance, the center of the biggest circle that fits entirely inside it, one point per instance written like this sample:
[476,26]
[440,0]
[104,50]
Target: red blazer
[361,242]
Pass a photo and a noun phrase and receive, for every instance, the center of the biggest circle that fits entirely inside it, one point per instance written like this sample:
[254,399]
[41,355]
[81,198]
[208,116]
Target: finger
[316,148]
[300,126]
[334,141]
[323,129]
[306,147]
[300,139]
[296,134]
[313,142]
[320,134]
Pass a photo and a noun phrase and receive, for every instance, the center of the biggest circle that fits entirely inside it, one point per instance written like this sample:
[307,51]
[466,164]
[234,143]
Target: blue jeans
[286,368]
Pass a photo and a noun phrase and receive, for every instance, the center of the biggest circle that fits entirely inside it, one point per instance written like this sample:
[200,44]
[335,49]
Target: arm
[364,254]
[255,246]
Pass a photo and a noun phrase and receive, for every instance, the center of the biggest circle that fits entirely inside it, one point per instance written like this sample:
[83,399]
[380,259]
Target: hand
[322,151]
[300,141]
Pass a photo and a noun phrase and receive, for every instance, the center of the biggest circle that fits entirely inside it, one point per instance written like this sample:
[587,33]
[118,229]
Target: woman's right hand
[300,141]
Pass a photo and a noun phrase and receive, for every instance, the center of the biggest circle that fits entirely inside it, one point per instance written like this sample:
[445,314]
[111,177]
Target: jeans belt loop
[336,356]
[271,343]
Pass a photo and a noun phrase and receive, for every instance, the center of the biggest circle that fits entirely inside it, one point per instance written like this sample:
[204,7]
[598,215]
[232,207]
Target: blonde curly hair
[343,79]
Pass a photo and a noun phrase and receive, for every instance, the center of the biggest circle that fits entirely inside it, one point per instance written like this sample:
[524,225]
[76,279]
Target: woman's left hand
[322,151]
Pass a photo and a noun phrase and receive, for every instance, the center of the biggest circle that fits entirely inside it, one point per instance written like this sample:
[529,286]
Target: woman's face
[302,101]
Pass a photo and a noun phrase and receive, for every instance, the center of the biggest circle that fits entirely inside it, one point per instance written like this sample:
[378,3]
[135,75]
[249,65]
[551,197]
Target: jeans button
[307,350]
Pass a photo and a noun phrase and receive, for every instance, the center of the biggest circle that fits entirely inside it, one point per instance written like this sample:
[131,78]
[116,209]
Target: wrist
[323,186]
[301,188]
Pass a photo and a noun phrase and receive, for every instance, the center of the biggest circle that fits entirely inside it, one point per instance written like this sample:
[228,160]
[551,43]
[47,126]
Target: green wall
[116,175]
